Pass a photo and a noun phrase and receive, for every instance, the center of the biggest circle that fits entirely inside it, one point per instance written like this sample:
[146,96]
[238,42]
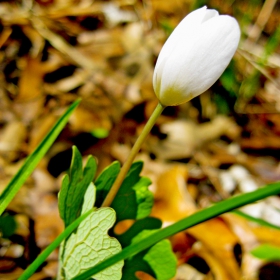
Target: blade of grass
[255,220]
[42,257]
[33,159]
[197,218]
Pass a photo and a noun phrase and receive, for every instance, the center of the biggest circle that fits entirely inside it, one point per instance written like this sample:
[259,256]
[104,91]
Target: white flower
[194,56]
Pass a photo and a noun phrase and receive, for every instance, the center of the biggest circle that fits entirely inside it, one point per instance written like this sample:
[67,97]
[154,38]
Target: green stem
[42,257]
[197,218]
[149,125]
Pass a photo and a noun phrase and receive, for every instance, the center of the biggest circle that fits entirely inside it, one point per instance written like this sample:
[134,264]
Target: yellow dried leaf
[220,242]
[30,82]
[172,201]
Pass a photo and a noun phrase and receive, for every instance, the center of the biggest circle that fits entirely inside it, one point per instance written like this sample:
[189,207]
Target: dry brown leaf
[87,120]
[100,44]
[51,269]
[185,136]
[40,130]
[168,6]
[132,37]
[11,146]
[30,81]
[219,241]
[260,142]
[15,274]
[22,225]
[77,79]
[143,276]
[218,269]
[29,111]
[187,272]
[48,224]
[5,34]
[248,241]
[172,201]
[21,202]
[267,235]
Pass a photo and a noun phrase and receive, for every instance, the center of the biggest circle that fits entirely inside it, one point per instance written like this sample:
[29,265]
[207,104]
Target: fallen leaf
[184,137]
[11,146]
[30,82]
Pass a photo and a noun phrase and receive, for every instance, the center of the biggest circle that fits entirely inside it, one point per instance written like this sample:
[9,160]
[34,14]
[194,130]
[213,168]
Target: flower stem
[135,149]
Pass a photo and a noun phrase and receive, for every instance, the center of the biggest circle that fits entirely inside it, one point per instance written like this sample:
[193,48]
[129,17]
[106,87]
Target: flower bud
[195,56]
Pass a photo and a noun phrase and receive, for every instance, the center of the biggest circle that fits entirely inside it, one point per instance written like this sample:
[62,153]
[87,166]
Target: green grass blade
[42,257]
[33,159]
[255,220]
[197,218]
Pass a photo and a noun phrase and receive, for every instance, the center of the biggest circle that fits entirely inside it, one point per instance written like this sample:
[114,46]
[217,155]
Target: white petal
[184,30]
[210,14]
[198,61]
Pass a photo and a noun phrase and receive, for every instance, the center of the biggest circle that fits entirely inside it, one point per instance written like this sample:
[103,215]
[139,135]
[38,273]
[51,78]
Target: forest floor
[222,143]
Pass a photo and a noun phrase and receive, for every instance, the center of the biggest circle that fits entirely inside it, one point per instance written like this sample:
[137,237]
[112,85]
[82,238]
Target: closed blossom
[194,56]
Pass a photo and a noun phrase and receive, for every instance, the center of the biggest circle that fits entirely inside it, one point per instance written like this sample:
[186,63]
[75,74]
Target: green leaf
[8,225]
[105,181]
[33,159]
[100,133]
[159,261]
[196,218]
[162,260]
[134,200]
[135,264]
[267,252]
[139,225]
[74,187]
[90,244]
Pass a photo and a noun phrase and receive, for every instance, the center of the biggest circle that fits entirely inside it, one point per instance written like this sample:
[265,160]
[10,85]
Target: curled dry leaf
[217,268]
[48,224]
[187,272]
[31,80]
[40,130]
[248,240]
[86,120]
[11,146]
[221,249]
[184,137]
[172,201]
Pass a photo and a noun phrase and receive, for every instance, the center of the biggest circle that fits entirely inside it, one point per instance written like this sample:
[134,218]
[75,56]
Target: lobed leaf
[158,261]
[139,225]
[105,181]
[162,260]
[74,186]
[91,244]
[134,200]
